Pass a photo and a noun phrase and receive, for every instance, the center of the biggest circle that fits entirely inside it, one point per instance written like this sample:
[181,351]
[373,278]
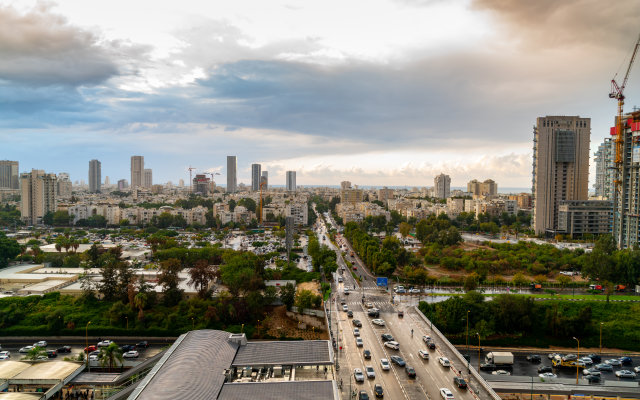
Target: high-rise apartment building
[345,185]
[148,178]
[385,194]
[9,175]
[106,181]
[122,184]
[264,180]
[291,181]
[232,178]
[626,198]
[560,167]
[95,178]
[137,171]
[486,188]
[38,195]
[63,186]
[442,186]
[256,175]
[605,173]
[201,184]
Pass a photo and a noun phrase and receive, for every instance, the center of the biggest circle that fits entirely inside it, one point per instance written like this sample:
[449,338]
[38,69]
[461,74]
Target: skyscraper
[291,181]
[9,175]
[560,167]
[264,180]
[442,186]
[106,181]
[148,178]
[232,180]
[38,195]
[256,175]
[95,177]
[604,158]
[64,187]
[137,168]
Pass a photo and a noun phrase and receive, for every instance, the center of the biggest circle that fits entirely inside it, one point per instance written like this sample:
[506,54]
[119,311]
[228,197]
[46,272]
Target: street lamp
[86,337]
[577,361]
[127,318]
[601,323]
[478,335]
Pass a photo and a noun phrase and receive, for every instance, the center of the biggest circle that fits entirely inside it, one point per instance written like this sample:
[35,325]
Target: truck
[499,358]
[568,361]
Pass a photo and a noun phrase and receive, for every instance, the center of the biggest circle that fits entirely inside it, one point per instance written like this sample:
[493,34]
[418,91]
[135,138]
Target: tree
[109,355]
[248,203]
[519,279]
[304,299]
[9,249]
[600,264]
[36,352]
[404,229]
[169,280]
[471,282]
[140,301]
[288,295]
[61,218]
[201,275]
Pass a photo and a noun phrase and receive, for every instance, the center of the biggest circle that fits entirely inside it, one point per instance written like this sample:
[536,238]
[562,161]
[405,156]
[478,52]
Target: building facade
[137,171]
[122,184]
[95,177]
[232,179]
[385,194]
[264,180]
[38,195]
[560,167]
[578,218]
[63,186]
[148,178]
[291,181]
[442,186]
[604,158]
[256,176]
[9,175]
[201,184]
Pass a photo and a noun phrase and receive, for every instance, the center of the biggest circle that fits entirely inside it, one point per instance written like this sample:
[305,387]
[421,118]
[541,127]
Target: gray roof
[193,368]
[303,352]
[299,390]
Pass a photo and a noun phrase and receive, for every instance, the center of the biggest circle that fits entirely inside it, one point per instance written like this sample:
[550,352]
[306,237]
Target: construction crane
[260,208]
[213,174]
[617,92]
[190,178]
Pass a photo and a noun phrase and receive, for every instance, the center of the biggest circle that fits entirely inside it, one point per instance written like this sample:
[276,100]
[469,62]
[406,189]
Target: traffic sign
[380,281]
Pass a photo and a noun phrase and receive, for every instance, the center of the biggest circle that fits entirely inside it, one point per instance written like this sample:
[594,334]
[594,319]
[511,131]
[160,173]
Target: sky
[377,92]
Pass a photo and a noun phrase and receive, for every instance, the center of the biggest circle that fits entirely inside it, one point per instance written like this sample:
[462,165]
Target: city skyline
[410,90]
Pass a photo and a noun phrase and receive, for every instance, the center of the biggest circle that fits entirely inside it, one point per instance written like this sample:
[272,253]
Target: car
[400,314]
[444,361]
[131,354]
[379,392]
[384,364]
[343,302]
[90,348]
[366,354]
[500,372]
[400,291]
[356,322]
[446,394]
[52,354]
[424,354]
[614,362]
[590,371]
[426,338]
[94,353]
[356,332]
[42,358]
[386,337]
[368,304]
[4,357]
[340,279]
[362,395]
[346,291]
[371,373]
[105,343]
[94,357]
[625,373]
[604,367]
[595,358]
[488,367]
[142,345]
[459,382]
[592,378]
[359,342]
[64,349]
[637,370]
[41,343]
[358,375]
[392,345]
[411,373]
[626,360]
[26,349]
[548,375]
[377,321]
[534,358]
[373,312]
[414,291]
[544,368]
[431,345]
[127,347]
[345,308]
[551,356]
[586,361]
[399,361]
[350,314]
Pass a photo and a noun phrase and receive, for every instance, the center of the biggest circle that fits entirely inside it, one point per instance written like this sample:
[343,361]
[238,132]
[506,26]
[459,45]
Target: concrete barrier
[460,357]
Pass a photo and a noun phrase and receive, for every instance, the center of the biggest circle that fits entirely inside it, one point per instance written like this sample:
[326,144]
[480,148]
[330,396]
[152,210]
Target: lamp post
[86,337]
[577,361]
[193,324]
[478,335]
[127,318]
[601,323]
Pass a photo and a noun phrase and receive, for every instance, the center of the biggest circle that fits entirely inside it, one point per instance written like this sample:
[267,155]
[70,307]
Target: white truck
[499,358]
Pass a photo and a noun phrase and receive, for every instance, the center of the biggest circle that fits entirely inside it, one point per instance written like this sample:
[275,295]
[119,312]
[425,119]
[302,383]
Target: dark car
[128,347]
[595,358]
[400,314]
[356,322]
[592,378]
[52,354]
[626,360]
[363,395]
[377,389]
[386,337]
[366,354]
[350,314]
[431,345]
[398,361]
[534,358]
[488,367]
[374,313]
[411,373]
[459,382]
[64,349]
[142,345]
[544,368]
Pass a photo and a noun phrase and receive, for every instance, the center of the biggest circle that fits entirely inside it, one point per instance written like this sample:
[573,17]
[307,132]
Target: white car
[345,308]
[625,373]
[384,364]
[5,353]
[105,343]
[359,342]
[426,338]
[358,375]
[446,394]
[94,357]
[501,372]
[42,343]
[392,345]
[423,354]
[356,332]
[444,361]
[548,375]
[369,304]
[379,322]
[25,349]
[414,291]
[131,354]
[371,374]
[586,360]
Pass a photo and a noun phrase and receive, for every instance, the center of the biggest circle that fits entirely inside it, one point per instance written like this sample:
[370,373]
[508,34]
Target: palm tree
[109,355]
[58,247]
[140,301]
[34,353]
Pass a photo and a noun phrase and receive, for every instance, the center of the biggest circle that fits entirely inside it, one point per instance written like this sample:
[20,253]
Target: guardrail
[460,357]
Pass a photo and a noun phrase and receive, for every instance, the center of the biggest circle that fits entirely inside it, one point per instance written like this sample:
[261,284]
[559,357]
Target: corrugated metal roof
[193,369]
[298,390]
[303,352]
